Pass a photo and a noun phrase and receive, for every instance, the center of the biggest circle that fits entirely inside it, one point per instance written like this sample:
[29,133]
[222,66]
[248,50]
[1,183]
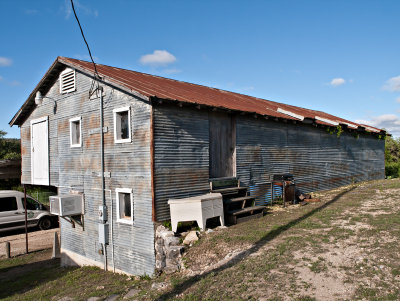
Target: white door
[40,151]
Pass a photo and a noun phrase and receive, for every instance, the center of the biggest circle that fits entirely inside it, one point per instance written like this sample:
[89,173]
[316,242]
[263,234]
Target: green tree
[392,157]
[9,148]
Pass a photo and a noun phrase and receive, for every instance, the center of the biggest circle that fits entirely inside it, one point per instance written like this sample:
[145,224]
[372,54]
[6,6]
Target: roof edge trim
[327,120]
[290,114]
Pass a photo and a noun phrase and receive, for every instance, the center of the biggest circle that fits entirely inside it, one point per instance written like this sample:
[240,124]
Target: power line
[87,45]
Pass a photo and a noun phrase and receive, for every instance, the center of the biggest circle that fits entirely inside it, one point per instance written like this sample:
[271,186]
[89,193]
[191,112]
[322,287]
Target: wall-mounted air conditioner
[66,205]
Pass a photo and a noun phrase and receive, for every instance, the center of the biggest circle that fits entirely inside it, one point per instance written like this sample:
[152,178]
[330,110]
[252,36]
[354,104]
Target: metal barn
[165,139]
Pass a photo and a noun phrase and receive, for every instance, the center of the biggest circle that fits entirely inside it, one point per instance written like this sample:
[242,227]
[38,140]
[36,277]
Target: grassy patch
[6,264]
[271,255]
[318,266]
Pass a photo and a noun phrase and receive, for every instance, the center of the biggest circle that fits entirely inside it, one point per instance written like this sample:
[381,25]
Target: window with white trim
[67,81]
[75,132]
[124,205]
[122,125]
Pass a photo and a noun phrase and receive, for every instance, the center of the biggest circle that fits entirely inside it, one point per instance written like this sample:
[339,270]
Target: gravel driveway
[37,240]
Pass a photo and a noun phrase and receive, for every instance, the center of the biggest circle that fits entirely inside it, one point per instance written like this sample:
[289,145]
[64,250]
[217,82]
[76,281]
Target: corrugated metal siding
[181,155]
[129,164]
[150,85]
[317,159]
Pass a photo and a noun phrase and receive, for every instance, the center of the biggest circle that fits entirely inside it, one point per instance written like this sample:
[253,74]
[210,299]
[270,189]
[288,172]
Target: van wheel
[45,223]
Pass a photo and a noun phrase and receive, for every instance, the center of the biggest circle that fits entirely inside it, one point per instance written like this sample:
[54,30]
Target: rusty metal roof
[164,88]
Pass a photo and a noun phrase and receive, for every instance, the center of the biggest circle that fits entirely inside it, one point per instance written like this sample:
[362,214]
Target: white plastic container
[197,208]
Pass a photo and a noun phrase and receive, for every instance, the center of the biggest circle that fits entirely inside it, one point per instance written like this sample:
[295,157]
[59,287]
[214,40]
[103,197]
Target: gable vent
[67,81]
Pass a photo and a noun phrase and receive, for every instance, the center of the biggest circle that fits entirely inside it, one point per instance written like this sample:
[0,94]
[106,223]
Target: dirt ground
[345,247]
[37,240]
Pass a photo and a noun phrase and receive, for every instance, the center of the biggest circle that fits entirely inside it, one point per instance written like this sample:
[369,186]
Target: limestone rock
[165,234]
[94,299]
[159,285]
[112,297]
[171,269]
[132,293]
[160,228]
[190,238]
[159,249]
[160,257]
[160,241]
[173,252]
[183,234]
[171,241]
[160,264]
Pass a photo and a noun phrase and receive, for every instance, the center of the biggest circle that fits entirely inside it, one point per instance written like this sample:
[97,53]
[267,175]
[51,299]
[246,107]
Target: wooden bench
[244,214]
[227,186]
[238,205]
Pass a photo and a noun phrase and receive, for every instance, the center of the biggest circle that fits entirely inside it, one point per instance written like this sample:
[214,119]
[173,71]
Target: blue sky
[341,57]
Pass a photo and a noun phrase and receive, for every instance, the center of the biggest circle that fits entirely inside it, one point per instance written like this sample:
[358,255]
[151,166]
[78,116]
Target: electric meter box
[66,205]
[102,214]
[103,234]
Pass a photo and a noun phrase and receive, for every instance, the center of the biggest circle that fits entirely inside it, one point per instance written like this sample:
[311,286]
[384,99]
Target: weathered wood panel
[222,144]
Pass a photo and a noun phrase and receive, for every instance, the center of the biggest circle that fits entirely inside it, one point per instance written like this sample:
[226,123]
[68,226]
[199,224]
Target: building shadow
[257,246]
[17,280]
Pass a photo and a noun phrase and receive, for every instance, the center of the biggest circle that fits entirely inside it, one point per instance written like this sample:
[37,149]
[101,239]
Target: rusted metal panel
[317,159]
[181,156]
[155,86]
[128,165]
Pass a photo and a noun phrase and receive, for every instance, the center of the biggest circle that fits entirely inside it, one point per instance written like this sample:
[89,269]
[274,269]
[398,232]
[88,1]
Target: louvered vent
[67,81]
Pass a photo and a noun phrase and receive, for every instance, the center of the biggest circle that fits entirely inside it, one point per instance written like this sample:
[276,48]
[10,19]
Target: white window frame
[72,89]
[119,219]
[115,111]
[72,120]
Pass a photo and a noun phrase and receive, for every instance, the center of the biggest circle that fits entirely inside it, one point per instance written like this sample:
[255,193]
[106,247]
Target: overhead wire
[96,74]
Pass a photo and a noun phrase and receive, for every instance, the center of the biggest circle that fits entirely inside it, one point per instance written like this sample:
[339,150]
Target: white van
[12,212]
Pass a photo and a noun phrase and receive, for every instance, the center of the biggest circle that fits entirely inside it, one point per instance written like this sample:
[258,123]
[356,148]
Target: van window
[8,204]
[31,204]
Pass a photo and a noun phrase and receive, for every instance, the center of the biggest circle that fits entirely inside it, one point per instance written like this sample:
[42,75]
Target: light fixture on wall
[39,100]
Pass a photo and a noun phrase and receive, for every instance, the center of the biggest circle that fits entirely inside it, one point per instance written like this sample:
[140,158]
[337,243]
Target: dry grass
[344,248]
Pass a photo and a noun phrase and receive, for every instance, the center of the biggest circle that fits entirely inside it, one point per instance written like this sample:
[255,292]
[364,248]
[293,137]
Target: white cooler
[198,208]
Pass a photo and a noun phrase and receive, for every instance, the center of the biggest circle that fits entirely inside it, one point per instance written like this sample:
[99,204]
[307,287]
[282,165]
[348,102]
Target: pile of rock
[168,251]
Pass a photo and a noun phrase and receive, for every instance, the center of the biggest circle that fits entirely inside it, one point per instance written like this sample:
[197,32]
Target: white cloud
[337,82]
[389,122]
[5,61]
[398,99]
[1,78]
[158,58]
[392,84]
